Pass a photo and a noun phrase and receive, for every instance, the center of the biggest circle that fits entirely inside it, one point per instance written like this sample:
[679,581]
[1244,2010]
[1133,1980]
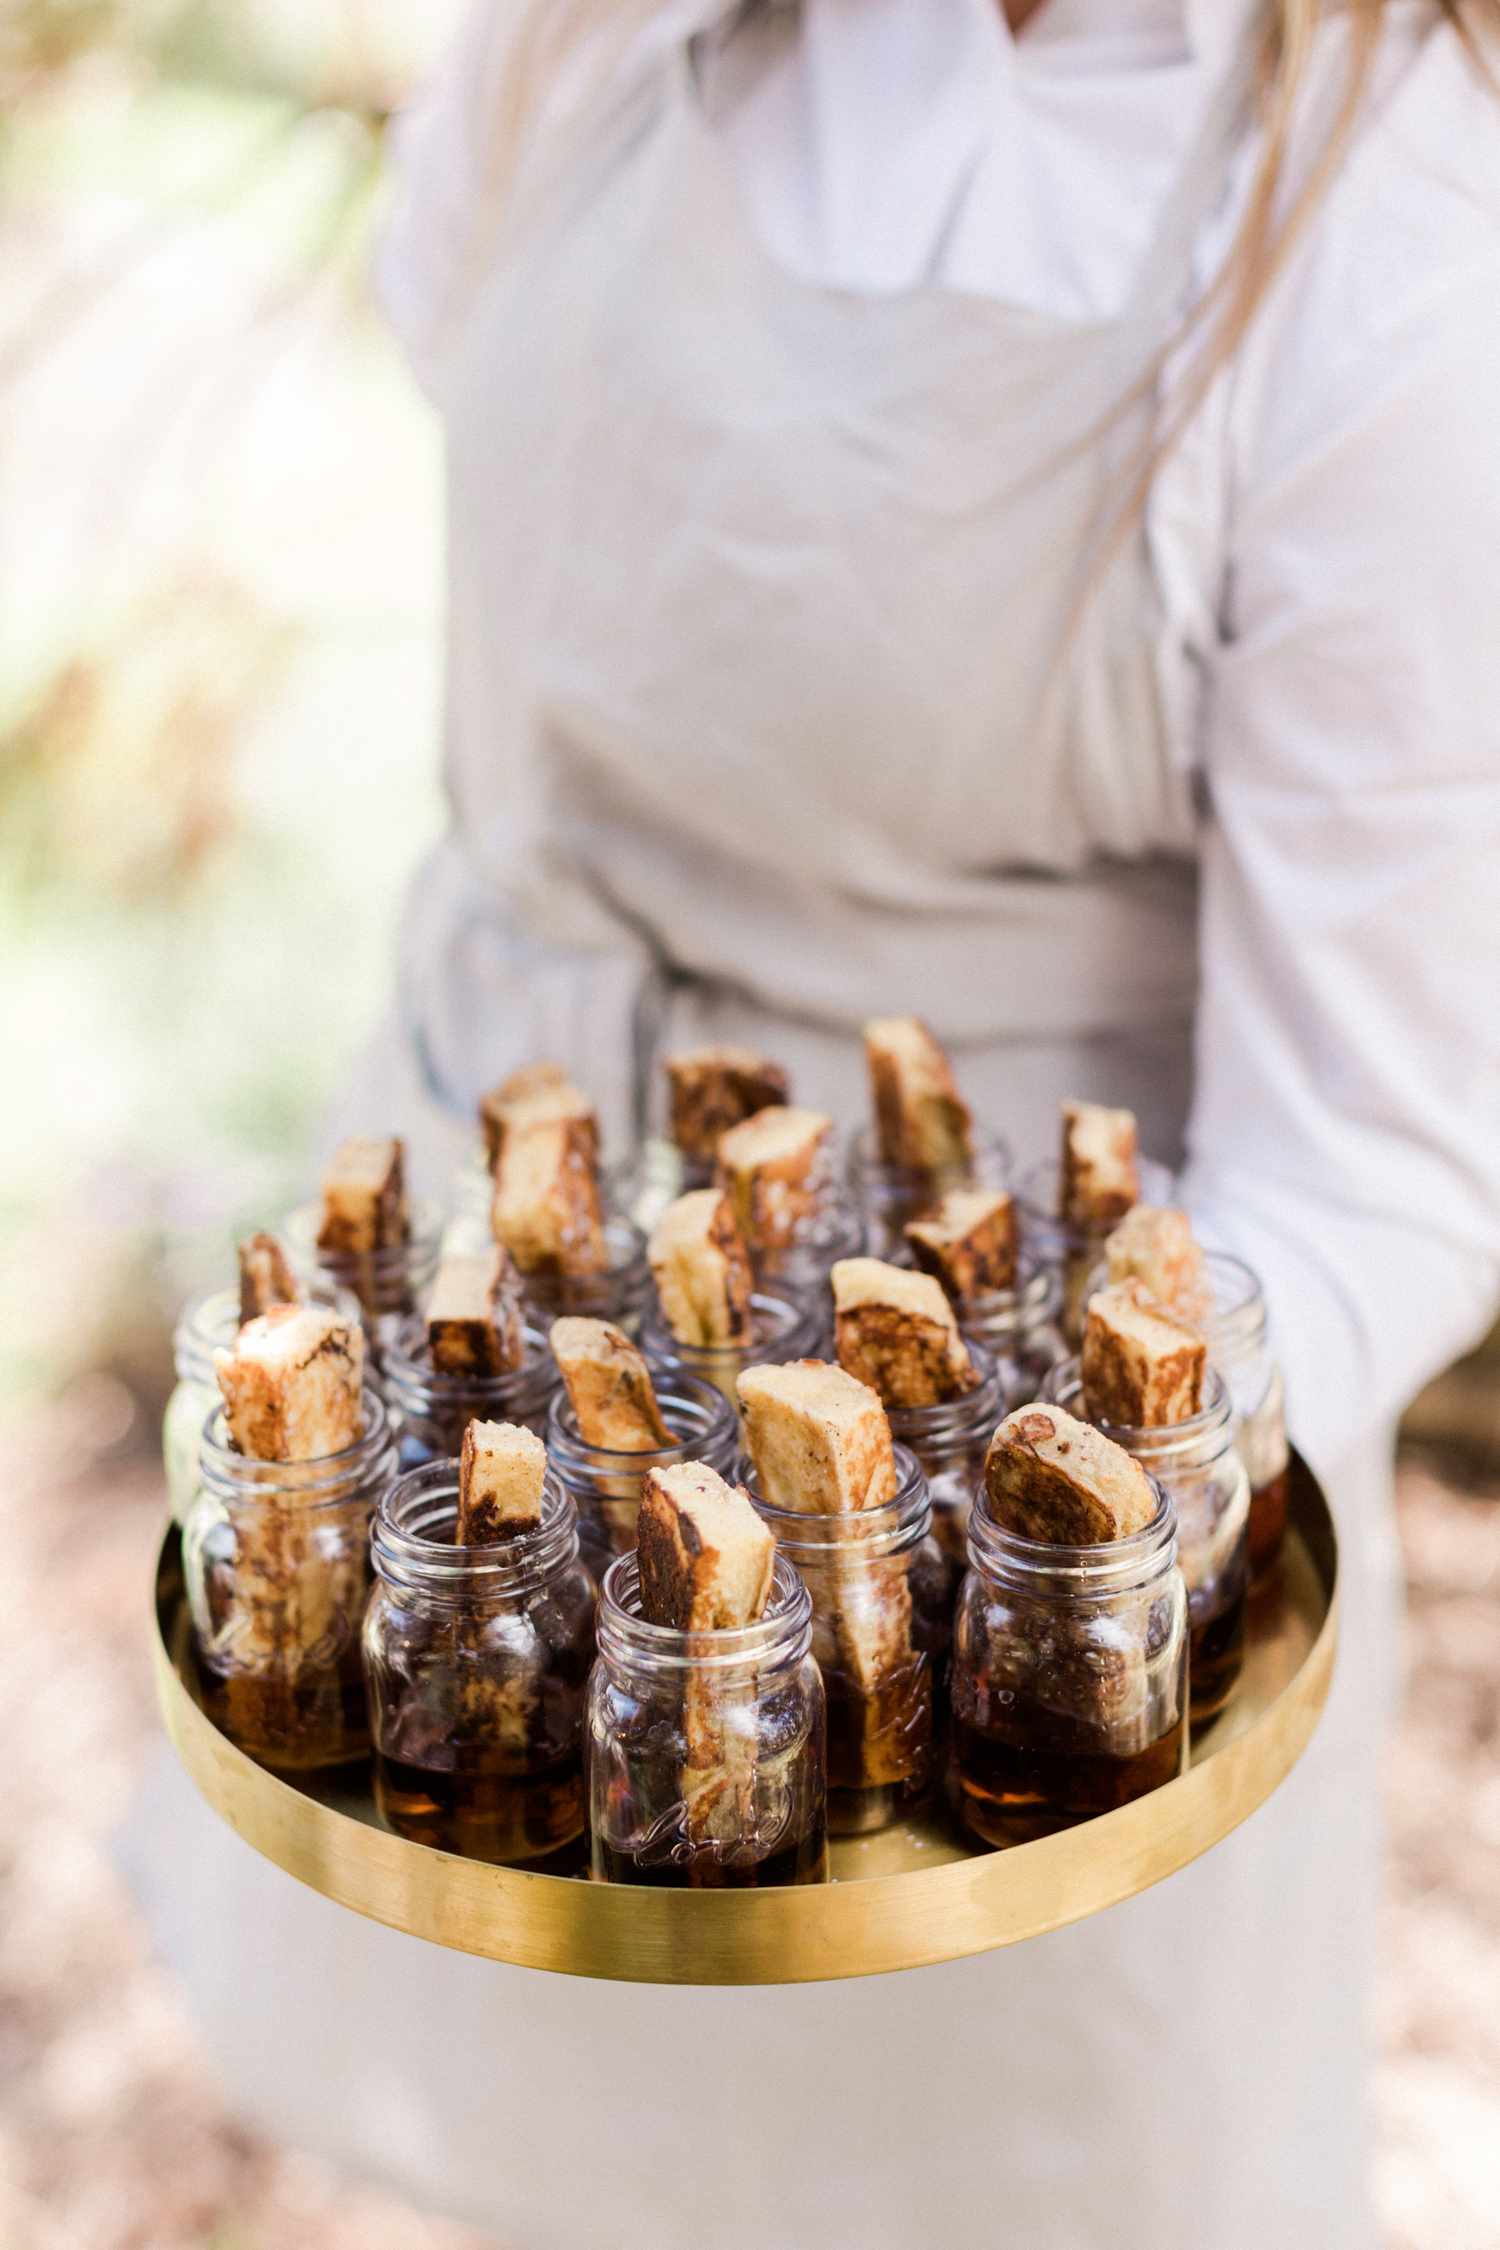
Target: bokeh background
[220,594]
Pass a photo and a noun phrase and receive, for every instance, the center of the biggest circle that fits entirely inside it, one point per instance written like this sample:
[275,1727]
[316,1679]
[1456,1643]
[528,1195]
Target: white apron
[765,715]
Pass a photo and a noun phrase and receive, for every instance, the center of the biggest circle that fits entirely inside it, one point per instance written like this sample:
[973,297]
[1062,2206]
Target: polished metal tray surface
[914,1895]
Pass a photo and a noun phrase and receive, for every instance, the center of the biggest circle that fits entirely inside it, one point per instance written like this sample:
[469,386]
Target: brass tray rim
[864,1925]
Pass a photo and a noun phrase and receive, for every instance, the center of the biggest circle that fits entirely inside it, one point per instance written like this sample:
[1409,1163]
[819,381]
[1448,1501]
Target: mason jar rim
[210,1323]
[1036,1291]
[783,1636]
[679,1392]
[793,1311]
[412,1259]
[410,1374]
[1237,1323]
[1046,1566]
[901,1523]
[951,1415]
[1038,1188]
[408,1558]
[1174,1444]
[325,1481]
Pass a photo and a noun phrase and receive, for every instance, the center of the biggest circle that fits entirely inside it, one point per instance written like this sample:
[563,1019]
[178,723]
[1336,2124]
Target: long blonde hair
[561,51]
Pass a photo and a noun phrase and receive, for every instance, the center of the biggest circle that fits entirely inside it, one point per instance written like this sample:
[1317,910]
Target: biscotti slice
[537,1094]
[546,1208]
[501,1471]
[364,1198]
[896,1331]
[1141,1369]
[609,1386]
[475,1326]
[922,1122]
[819,1439]
[702,1271]
[775,1170]
[1052,1478]
[266,1277]
[968,1241]
[710,1089]
[1157,1247]
[291,1385]
[706,1566]
[1100,1181]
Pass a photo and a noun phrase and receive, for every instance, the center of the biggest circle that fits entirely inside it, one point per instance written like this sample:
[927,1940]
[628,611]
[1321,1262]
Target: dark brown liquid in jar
[293,1723]
[1268,1510]
[1216,1654]
[1014,1786]
[487,1808]
[803,1860]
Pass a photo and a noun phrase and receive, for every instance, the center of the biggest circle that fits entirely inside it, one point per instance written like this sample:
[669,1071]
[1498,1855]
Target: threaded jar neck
[704,1428]
[1040,1567]
[416,1387]
[1193,1444]
[631,1647]
[361,1471]
[875,1533]
[414,1553]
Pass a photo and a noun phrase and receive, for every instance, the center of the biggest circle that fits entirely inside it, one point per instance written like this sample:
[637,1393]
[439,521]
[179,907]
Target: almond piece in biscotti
[1052,1478]
[711,1089]
[702,1271]
[546,1209]
[266,1277]
[968,1241]
[1157,1248]
[364,1198]
[502,1469]
[475,1326]
[1141,1369]
[896,1331]
[922,1122]
[609,1386]
[775,1169]
[1100,1181]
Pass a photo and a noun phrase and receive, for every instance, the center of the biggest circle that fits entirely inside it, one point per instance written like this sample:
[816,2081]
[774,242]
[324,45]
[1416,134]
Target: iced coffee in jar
[368,1235]
[850,1510]
[617,1417]
[1069,1208]
[276,1543]
[471,1355]
[1069,1672]
[208,1326]
[709,1319]
[1145,1380]
[706,1758]
[923,1141]
[478,1643]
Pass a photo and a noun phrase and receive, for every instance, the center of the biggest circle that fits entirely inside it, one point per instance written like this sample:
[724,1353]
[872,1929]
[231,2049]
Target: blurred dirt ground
[112,2136]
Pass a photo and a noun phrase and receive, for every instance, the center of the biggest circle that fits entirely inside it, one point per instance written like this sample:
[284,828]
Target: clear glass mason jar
[887,1195]
[430,1409]
[706,1755]
[1197,1464]
[949,1442]
[208,1325]
[605,1486]
[1020,1329]
[1238,1338]
[388,1283]
[782,1327]
[882,1620]
[801,1268]
[477,1662]
[1069,1678]
[277,1563]
[1073,1251]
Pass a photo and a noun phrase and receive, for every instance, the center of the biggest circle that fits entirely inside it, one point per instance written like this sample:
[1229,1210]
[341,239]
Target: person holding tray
[986,512]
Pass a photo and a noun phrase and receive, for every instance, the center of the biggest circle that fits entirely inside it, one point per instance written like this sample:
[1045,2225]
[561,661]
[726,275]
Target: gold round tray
[897,1901]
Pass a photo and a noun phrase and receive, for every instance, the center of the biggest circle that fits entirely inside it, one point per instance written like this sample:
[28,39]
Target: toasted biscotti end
[1099,1179]
[702,1271]
[266,1277]
[819,1439]
[896,1331]
[364,1197]
[922,1122]
[711,1089]
[706,1559]
[775,1170]
[609,1387]
[501,1471]
[475,1326]
[1141,1369]
[537,1094]
[292,1385]
[968,1241]
[1158,1248]
[546,1208]
[1052,1478]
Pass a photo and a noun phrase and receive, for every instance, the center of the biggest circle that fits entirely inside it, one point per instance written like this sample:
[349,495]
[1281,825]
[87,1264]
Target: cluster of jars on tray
[664,1533]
